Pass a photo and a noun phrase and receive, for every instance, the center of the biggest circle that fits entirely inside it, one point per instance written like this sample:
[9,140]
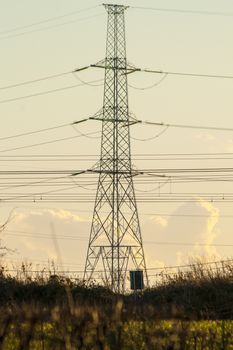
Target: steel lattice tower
[115,240]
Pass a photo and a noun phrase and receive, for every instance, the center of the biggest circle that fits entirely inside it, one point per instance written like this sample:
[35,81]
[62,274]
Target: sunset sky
[49,37]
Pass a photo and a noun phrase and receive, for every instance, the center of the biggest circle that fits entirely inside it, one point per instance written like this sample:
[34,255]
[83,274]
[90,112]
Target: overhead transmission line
[43,130]
[184,126]
[166,125]
[194,264]
[54,197]
[91,83]
[131,71]
[42,193]
[86,82]
[10,180]
[48,92]
[48,262]
[50,27]
[136,156]
[134,69]
[149,86]
[194,12]
[38,199]
[39,182]
[160,172]
[44,158]
[97,132]
[39,235]
[43,93]
[51,19]
[189,74]
[150,138]
[72,210]
[180,154]
[185,170]
[49,142]
[48,77]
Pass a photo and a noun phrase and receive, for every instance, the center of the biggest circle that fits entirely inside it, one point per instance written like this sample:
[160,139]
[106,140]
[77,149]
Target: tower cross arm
[115,9]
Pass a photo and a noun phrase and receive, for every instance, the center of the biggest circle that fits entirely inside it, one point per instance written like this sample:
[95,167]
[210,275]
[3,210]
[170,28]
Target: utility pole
[115,241]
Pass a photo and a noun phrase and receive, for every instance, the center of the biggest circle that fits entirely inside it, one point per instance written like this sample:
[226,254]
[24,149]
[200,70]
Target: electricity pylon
[115,240]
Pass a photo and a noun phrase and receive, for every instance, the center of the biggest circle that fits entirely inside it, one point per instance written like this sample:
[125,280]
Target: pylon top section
[115,9]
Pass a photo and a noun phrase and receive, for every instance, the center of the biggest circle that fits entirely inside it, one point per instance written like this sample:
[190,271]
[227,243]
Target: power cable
[192,265]
[86,82]
[95,156]
[40,182]
[83,187]
[40,194]
[49,142]
[85,135]
[166,125]
[48,261]
[41,235]
[137,139]
[180,73]
[186,170]
[186,126]
[176,154]
[141,179]
[39,172]
[189,215]
[194,12]
[43,130]
[47,20]
[188,244]
[32,234]
[141,213]
[146,70]
[33,132]
[85,200]
[41,93]
[198,264]
[151,190]
[153,137]
[43,78]
[50,27]
[79,159]
[150,86]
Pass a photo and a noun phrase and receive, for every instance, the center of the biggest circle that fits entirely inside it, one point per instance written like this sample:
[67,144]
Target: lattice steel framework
[115,241]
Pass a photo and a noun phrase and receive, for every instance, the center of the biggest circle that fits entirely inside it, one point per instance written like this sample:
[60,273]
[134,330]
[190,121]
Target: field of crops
[185,312]
[95,329]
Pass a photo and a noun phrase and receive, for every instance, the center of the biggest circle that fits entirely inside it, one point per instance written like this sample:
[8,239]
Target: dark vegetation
[191,310]
[202,292]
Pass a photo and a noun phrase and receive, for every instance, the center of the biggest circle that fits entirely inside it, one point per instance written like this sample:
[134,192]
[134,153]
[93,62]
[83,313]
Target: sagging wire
[158,188]
[150,86]
[86,82]
[153,137]
[86,135]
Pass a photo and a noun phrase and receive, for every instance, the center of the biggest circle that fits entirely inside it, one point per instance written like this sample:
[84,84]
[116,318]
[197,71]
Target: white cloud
[194,224]
[66,215]
[160,220]
[209,233]
[30,234]
[199,229]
